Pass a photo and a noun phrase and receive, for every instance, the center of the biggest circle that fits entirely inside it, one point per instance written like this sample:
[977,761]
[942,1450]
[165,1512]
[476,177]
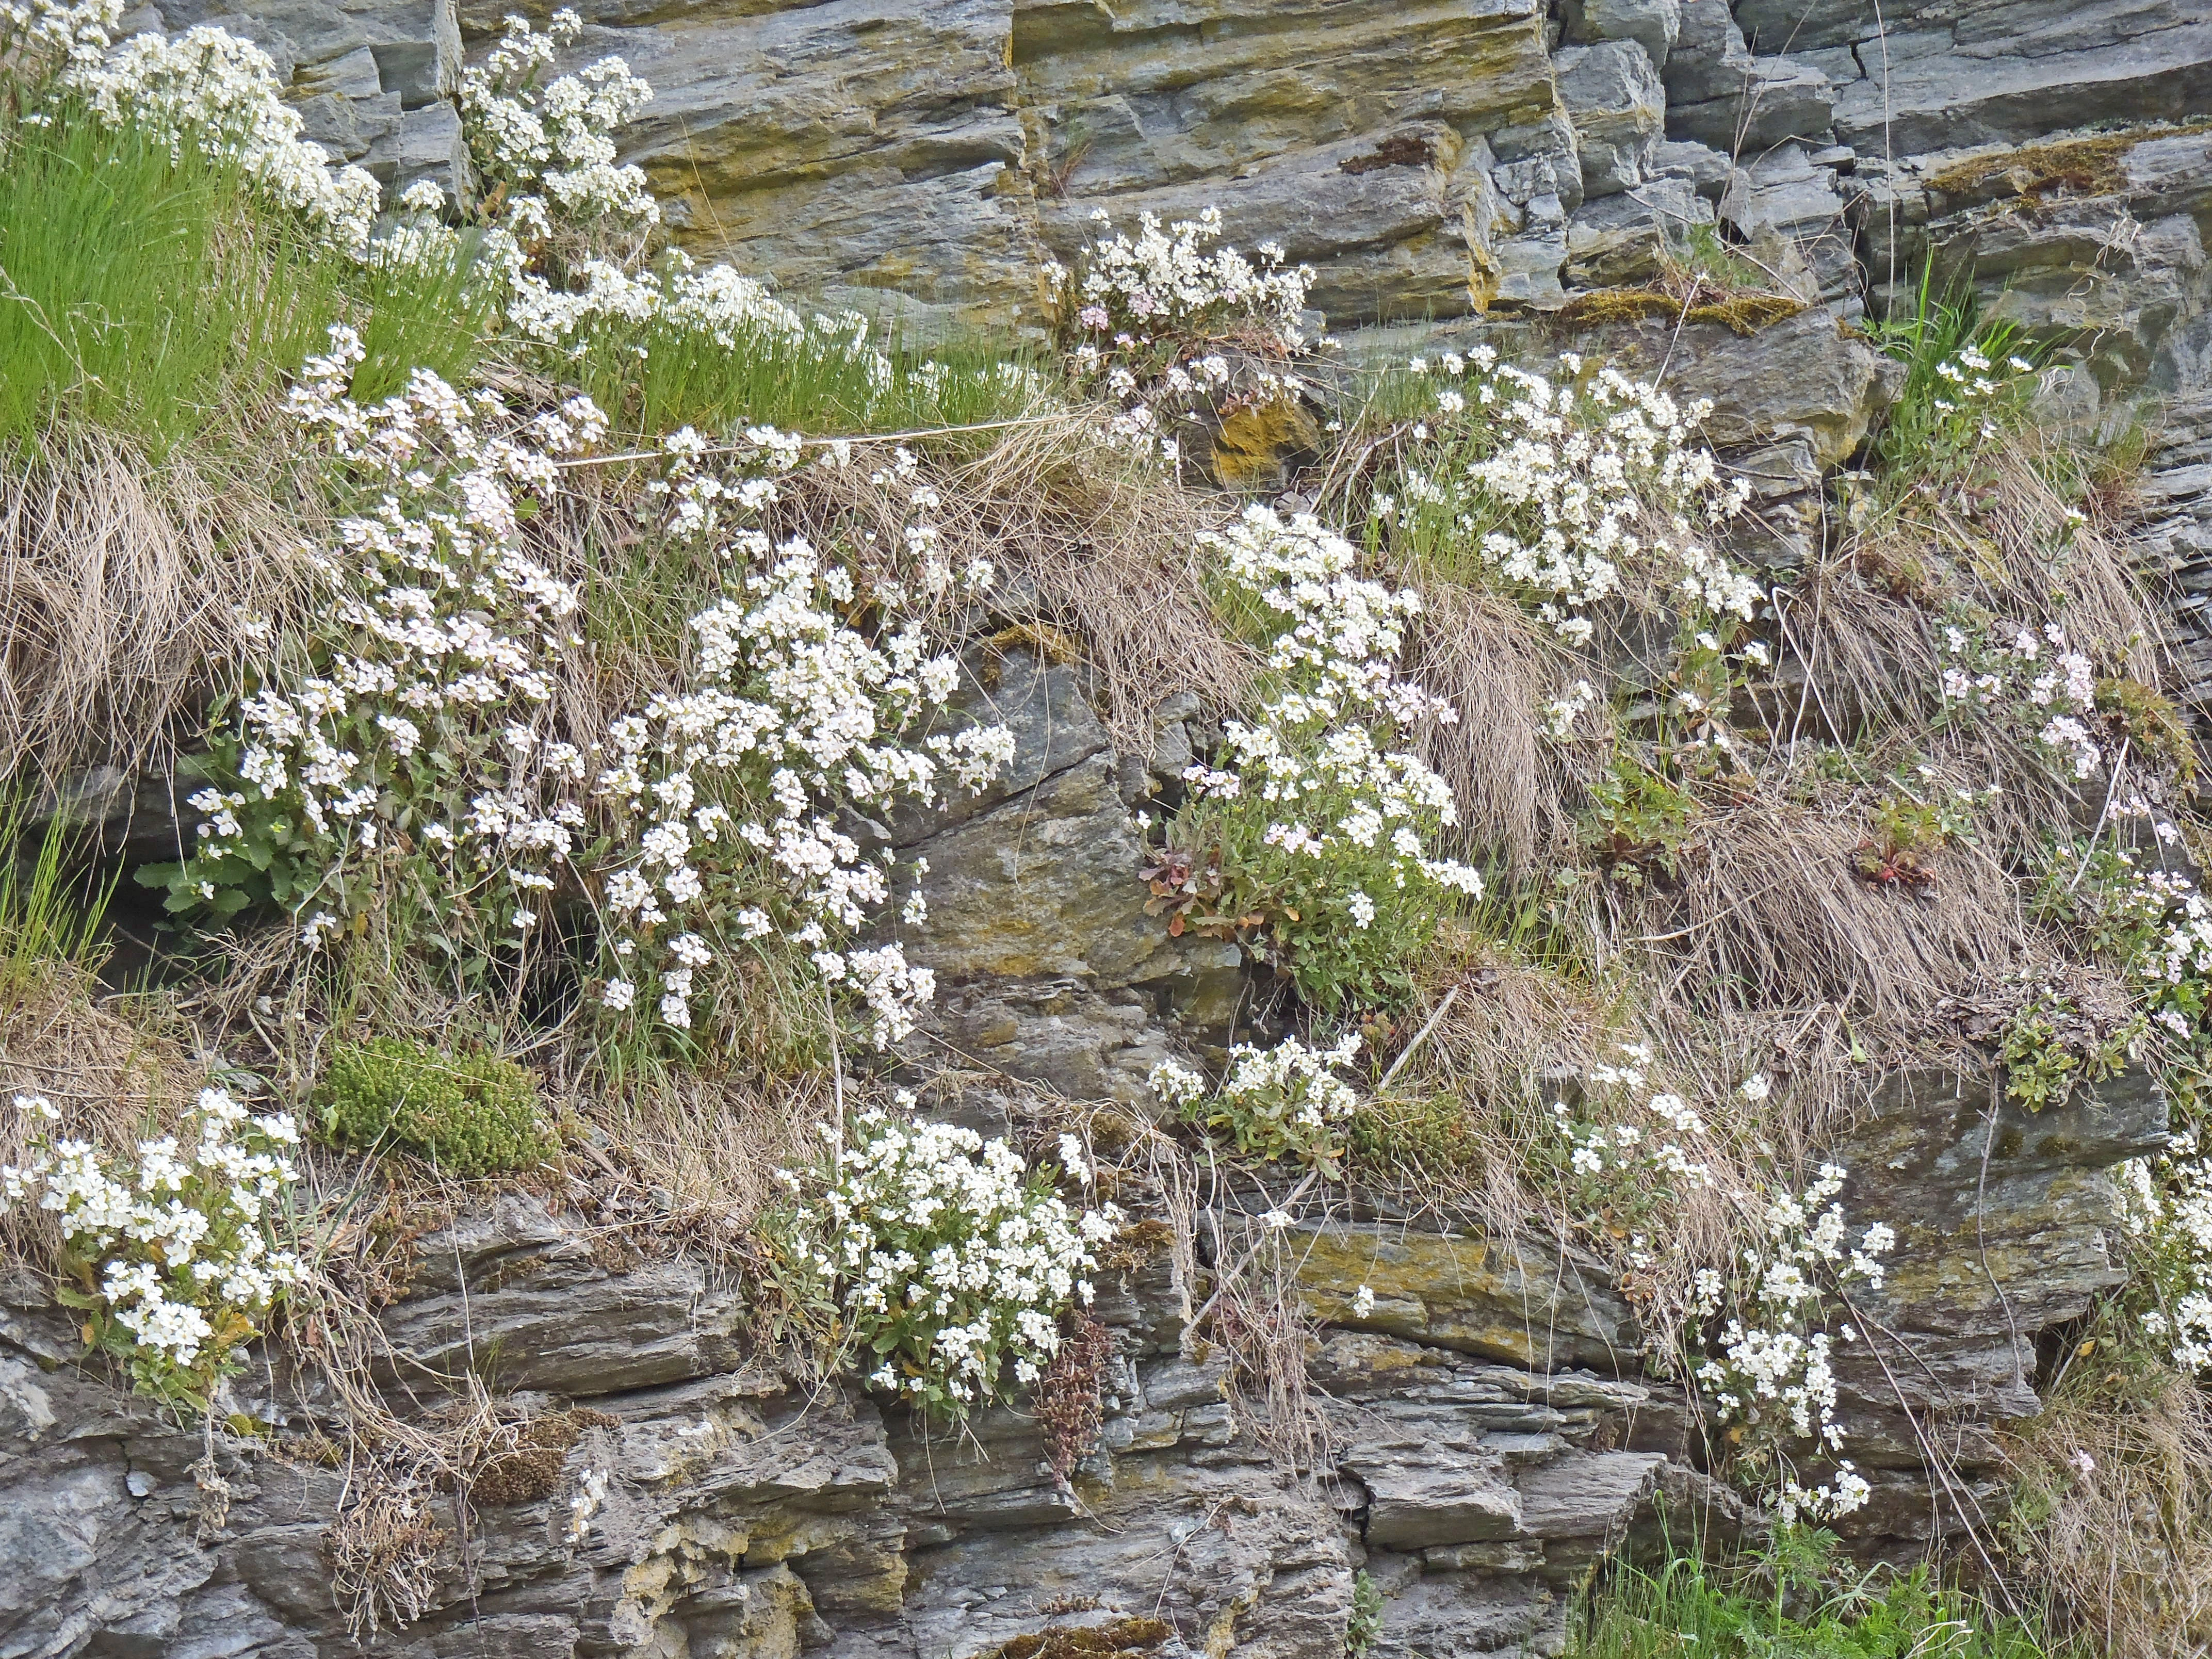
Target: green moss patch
[469,1115]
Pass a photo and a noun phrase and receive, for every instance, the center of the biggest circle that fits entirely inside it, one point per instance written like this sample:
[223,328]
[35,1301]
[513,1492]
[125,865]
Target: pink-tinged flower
[1092,316]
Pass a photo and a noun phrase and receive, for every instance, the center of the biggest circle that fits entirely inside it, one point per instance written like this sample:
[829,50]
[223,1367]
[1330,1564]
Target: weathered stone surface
[1538,1303]
[1621,240]
[1652,24]
[1800,379]
[515,1292]
[2007,1225]
[1977,76]
[1719,93]
[1790,214]
[1618,107]
[1037,929]
[374,78]
[2174,540]
[748,1517]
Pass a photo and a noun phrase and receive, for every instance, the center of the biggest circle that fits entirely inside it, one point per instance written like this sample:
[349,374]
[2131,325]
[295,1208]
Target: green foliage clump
[46,915]
[1365,1628]
[470,1114]
[1905,834]
[1639,825]
[668,371]
[2050,1046]
[1283,1101]
[1796,1601]
[2150,722]
[1964,378]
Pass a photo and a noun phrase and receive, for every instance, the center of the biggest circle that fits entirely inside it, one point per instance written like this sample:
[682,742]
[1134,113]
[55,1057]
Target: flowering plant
[205,90]
[413,768]
[421,770]
[1176,332]
[1574,492]
[937,1260]
[171,1256]
[1319,822]
[1768,1375]
[791,714]
[2034,680]
[1627,1165]
[2168,1216]
[1959,397]
[1146,301]
[40,38]
[546,152]
[1284,1102]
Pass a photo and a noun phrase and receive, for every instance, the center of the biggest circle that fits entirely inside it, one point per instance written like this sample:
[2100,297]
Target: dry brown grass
[129,594]
[2116,1523]
[1493,662]
[1771,914]
[1101,551]
[704,1152]
[1863,621]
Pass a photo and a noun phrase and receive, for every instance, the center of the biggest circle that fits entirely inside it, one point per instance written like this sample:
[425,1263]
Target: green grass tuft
[1800,1602]
[153,297]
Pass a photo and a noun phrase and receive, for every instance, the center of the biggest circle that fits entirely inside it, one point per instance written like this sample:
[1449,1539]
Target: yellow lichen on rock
[1255,442]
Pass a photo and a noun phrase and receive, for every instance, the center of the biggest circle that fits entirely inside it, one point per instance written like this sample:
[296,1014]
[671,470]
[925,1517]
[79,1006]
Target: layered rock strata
[1477,1440]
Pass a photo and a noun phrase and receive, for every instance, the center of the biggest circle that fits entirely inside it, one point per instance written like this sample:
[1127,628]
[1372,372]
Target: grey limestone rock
[1619,240]
[1652,24]
[1614,98]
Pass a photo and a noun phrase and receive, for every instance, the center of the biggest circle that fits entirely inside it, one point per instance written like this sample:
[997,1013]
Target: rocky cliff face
[1490,1428]
[1437,159]
[1447,166]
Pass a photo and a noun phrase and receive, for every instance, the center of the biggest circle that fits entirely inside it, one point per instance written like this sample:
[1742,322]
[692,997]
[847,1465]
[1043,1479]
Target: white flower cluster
[2033,675]
[175,1247]
[1163,287]
[1631,1161]
[2168,1210]
[1629,1151]
[2156,922]
[209,91]
[1571,487]
[1277,1101]
[439,695]
[1772,1371]
[681,305]
[550,149]
[40,37]
[946,1260]
[716,303]
[793,714]
[1973,381]
[1314,745]
[432,732]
